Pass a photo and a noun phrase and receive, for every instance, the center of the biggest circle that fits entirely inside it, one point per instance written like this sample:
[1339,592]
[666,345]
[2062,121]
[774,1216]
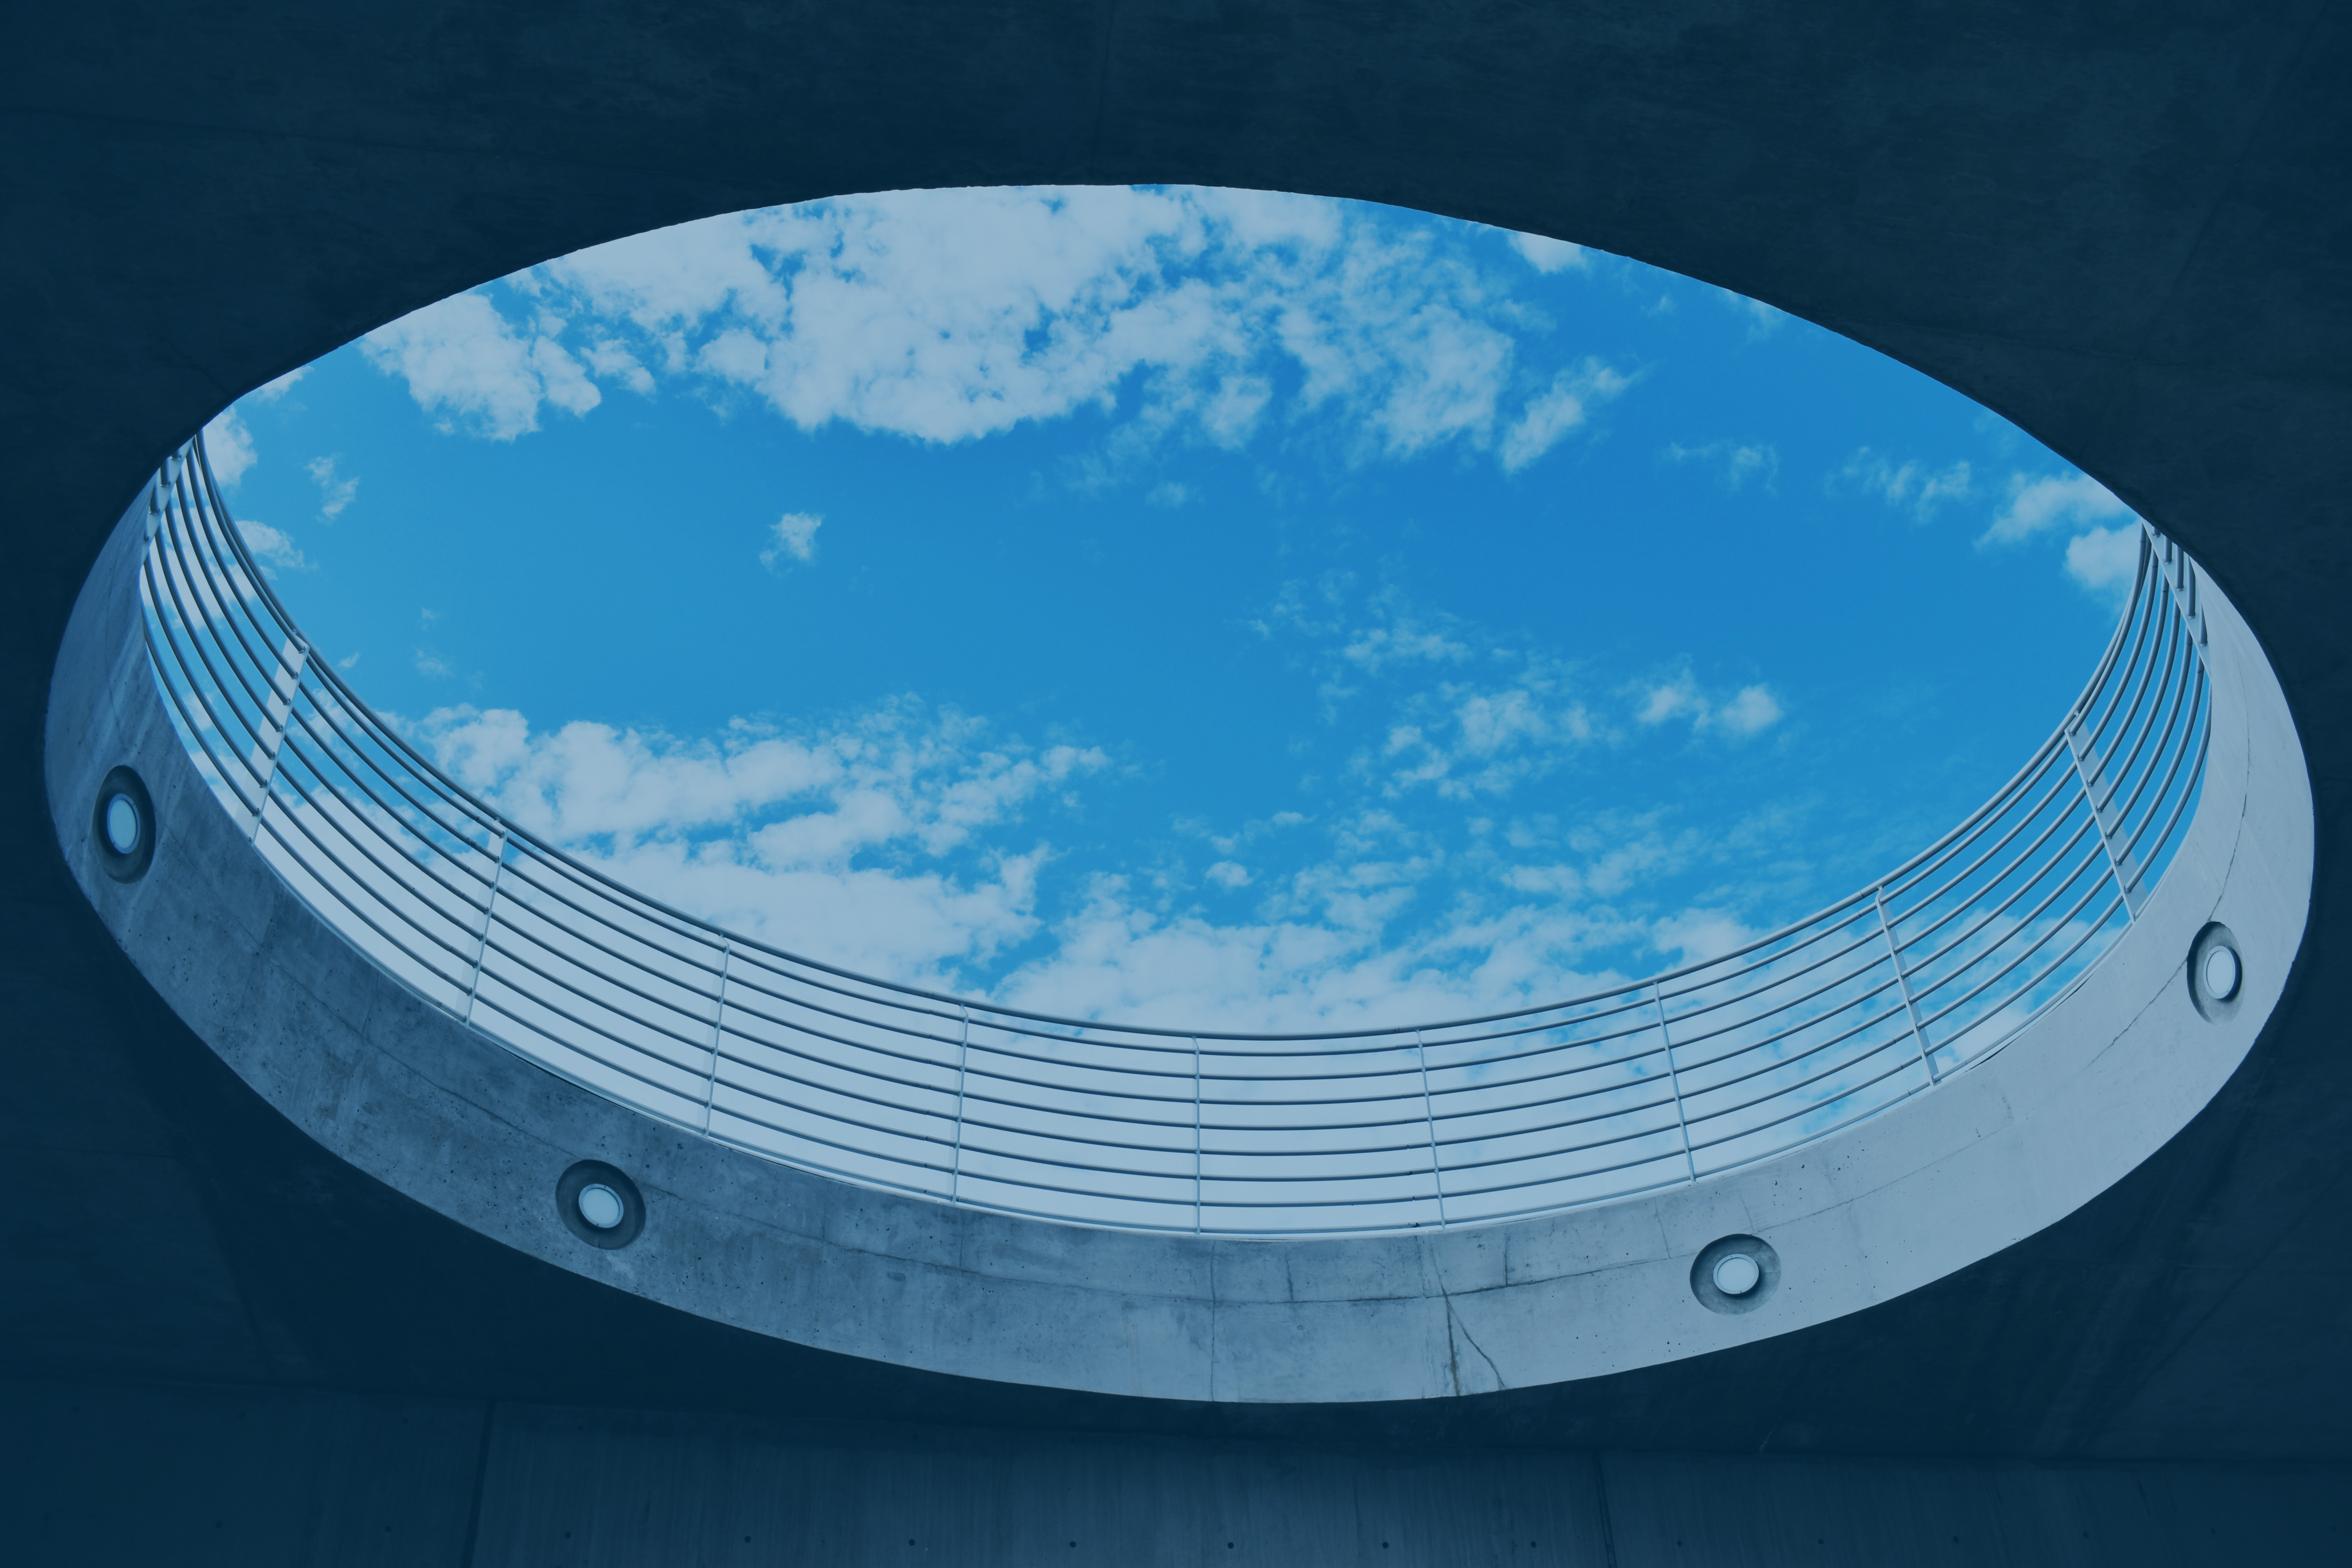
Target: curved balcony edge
[2094,1084]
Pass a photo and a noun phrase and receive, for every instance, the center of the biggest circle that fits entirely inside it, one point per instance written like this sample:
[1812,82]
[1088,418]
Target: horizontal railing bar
[1676,1020]
[483,997]
[2089,864]
[1161,1129]
[2088,827]
[515,906]
[339,818]
[327,749]
[1812,1050]
[2060,778]
[2190,789]
[1683,1041]
[399,945]
[521,868]
[357,882]
[1499,1080]
[2190,691]
[198,731]
[1903,1062]
[693,1042]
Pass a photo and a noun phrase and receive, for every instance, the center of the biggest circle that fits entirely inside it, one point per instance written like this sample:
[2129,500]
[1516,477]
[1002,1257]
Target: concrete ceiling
[2128,228]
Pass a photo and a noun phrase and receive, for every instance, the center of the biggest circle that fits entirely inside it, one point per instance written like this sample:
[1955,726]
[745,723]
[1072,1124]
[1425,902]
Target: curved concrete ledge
[2097,1083]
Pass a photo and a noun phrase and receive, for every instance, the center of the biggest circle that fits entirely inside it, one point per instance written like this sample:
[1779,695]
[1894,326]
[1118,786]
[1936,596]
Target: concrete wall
[194,1476]
[2101,1079]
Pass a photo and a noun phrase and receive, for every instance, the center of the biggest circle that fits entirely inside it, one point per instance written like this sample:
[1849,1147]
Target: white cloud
[1496,715]
[1330,968]
[863,843]
[464,364]
[955,315]
[228,447]
[1908,485]
[1560,409]
[1752,710]
[907,843]
[1693,936]
[1748,712]
[2037,504]
[1465,739]
[795,535]
[1763,320]
[271,546]
[1670,700]
[270,391]
[349,661]
[2105,561]
[1736,462]
[610,360]
[1548,255]
[335,491]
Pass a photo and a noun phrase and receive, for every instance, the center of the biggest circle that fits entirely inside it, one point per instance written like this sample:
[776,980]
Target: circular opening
[122,823]
[1167,586]
[2222,973]
[1737,1275]
[1386,773]
[601,1206]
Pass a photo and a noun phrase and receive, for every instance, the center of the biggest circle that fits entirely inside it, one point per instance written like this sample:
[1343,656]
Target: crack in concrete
[1455,1326]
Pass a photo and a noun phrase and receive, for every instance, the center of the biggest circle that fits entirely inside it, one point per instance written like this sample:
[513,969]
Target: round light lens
[600,1206]
[2220,974]
[1737,1275]
[122,824]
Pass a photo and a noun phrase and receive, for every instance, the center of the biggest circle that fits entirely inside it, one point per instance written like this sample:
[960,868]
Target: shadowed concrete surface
[260,1478]
[2125,227]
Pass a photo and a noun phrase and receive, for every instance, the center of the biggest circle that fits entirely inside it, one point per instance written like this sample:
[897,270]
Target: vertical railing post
[489,916]
[718,1029]
[963,1069]
[1196,1135]
[1901,981]
[1429,1115]
[1674,1082]
[285,683]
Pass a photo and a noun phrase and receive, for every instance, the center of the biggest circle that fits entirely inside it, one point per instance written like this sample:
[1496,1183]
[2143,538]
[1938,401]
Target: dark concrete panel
[243,1478]
[118,1475]
[590,1488]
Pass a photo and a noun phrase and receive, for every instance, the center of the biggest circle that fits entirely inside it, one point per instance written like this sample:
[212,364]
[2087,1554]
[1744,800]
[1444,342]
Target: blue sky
[1178,605]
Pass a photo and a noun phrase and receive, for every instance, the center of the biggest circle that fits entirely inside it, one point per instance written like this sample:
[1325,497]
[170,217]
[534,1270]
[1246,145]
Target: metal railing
[1671,1079]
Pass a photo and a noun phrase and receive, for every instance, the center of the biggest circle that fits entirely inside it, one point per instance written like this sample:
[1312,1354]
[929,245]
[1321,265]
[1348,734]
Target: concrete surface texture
[2126,229]
[381,1076]
[262,1477]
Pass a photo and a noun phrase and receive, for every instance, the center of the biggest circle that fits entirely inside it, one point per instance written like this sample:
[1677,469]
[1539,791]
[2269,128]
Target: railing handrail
[1785,1008]
[720,936]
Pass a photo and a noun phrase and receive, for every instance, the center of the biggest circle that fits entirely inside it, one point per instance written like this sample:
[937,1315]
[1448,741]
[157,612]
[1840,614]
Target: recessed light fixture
[122,823]
[601,1206]
[1738,1274]
[2217,973]
[122,826]
[1734,1274]
[2221,972]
